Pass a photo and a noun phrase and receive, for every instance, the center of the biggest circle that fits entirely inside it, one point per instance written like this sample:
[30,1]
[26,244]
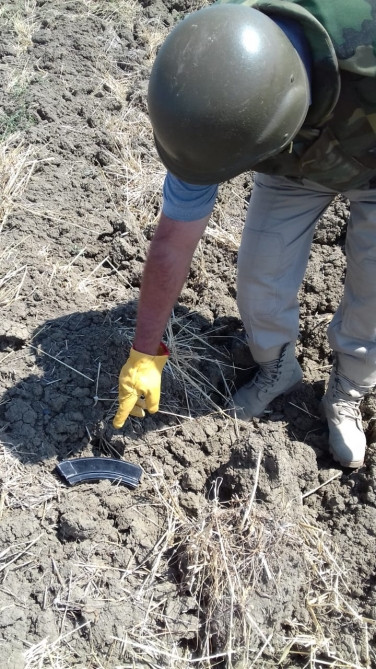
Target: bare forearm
[166,269]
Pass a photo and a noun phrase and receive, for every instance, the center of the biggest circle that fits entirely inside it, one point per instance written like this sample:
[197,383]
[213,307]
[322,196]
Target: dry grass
[113,10]
[55,654]
[25,25]
[191,364]
[190,352]
[134,172]
[224,558]
[328,601]
[226,555]
[18,79]
[126,10]
[17,164]
[23,486]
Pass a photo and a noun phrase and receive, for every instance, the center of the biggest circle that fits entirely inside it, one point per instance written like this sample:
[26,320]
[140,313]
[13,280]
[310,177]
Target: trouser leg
[273,257]
[352,335]
[352,332]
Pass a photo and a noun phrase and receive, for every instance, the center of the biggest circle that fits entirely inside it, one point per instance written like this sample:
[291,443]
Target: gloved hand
[140,384]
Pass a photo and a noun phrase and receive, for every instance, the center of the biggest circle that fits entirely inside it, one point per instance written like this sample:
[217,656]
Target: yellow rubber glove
[140,384]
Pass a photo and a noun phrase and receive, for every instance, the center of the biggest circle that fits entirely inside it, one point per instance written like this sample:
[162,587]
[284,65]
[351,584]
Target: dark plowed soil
[97,575]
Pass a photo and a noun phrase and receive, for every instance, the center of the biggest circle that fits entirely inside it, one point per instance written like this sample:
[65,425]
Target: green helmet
[227,90]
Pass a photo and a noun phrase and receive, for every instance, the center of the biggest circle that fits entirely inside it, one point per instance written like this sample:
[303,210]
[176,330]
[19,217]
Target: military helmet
[227,90]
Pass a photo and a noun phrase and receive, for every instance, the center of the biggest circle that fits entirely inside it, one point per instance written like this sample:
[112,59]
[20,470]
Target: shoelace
[349,410]
[267,374]
[347,407]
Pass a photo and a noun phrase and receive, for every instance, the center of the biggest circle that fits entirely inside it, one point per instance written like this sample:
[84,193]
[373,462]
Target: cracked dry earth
[244,544]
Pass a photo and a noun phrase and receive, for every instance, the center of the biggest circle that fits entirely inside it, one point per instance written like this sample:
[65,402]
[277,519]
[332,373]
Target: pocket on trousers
[259,271]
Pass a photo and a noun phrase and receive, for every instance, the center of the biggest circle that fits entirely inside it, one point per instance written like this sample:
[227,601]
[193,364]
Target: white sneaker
[340,404]
[273,378]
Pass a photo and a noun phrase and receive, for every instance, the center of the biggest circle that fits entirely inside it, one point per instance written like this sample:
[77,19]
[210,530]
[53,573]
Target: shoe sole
[353,464]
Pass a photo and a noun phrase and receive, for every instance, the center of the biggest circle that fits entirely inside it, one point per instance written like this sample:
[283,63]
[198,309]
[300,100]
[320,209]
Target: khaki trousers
[272,260]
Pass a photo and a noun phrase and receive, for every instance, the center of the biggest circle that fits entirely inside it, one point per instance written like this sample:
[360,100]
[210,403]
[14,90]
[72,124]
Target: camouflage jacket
[336,146]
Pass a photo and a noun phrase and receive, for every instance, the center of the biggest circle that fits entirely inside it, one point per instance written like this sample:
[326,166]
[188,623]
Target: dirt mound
[243,545]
